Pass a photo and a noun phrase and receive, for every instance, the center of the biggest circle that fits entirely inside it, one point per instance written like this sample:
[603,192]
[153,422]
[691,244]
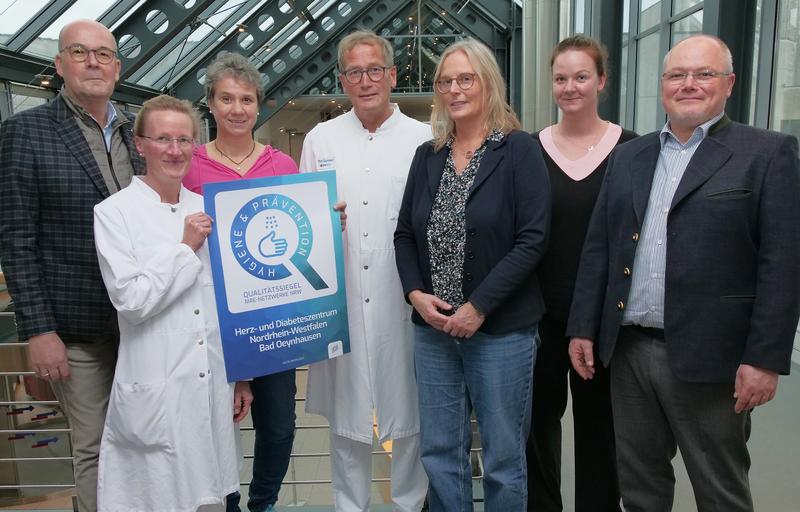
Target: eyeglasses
[165,142]
[79,53]
[375,73]
[701,77]
[464,81]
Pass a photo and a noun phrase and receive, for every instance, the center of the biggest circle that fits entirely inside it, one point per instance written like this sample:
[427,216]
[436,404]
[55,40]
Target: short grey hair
[236,66]
[365,37]
[726,52]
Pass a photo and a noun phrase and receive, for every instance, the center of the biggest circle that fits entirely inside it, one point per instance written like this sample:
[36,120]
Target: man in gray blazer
[56,162]
[689,286]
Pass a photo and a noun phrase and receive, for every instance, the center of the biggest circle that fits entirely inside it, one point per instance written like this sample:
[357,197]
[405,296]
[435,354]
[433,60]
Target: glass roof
[46,45]
[212,26]
[32,26]
[288,33]
[15,14]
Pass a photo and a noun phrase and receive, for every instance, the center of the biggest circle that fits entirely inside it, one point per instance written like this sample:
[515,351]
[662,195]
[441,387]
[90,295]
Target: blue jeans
[492,374]
[273,421]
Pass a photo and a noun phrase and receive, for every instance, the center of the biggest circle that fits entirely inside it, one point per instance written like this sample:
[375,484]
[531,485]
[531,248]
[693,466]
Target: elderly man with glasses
[371,148]
[689,286]
[57,161]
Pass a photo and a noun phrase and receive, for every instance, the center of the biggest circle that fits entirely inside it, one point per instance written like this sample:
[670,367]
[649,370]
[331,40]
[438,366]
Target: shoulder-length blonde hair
[498,114]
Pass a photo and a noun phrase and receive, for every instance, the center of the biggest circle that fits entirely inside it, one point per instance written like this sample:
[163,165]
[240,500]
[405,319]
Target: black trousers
[596,484]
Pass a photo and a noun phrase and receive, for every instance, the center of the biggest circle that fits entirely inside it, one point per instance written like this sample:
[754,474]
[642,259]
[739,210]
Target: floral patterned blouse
[446,228]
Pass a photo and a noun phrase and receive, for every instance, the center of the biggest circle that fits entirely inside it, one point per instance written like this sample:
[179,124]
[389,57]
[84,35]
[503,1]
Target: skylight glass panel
[15,14]
[82,9]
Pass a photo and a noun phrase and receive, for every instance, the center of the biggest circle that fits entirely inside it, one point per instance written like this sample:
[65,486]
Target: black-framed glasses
[375,73]
[80,53]
[165,142]
[464,81]
[702,77]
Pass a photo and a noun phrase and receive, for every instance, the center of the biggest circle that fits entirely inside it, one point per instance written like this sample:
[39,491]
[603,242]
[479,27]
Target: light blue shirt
[108,129]
[646,299]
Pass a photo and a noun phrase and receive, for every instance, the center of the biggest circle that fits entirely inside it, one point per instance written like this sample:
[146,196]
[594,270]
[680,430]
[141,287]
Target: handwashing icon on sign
[281,222]
[271,246]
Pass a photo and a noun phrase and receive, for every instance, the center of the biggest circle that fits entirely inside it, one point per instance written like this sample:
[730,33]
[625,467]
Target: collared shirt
[107,146]
[108,129]
[646,299]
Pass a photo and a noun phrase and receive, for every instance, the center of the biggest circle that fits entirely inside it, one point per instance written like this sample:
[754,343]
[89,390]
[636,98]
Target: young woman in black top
[576,151]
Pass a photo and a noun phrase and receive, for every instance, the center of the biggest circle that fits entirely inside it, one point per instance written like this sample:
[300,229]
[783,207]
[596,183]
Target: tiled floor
[774,450]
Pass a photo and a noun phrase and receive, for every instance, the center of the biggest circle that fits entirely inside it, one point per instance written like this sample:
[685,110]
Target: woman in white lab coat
[170,441]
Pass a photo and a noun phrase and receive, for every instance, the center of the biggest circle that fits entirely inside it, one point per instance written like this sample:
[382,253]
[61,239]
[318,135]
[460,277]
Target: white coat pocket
[137,417]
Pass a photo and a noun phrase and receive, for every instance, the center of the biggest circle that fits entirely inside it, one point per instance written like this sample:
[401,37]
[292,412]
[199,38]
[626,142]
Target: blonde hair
[498,114]
[364,37]
[162,103]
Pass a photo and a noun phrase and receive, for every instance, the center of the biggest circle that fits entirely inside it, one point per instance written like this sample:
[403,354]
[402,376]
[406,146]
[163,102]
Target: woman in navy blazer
[472,228]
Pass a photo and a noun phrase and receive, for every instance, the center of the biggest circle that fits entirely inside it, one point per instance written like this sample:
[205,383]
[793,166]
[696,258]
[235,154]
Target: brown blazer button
[620,305]
[635,237]
[626,272]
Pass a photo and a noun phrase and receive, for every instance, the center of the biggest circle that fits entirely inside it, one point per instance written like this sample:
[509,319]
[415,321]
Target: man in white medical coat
[371,148]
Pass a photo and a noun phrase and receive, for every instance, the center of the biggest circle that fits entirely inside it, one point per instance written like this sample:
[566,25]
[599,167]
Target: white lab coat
[169,441]
[378,373]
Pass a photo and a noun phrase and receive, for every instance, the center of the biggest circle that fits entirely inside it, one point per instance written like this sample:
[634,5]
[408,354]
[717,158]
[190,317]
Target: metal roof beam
[137,38]
[484,27]
[499,11]
[23,69]
[190,88]
[473,21]
[288,83]
[234,15]
[36,25]
[114,13]
[398,33]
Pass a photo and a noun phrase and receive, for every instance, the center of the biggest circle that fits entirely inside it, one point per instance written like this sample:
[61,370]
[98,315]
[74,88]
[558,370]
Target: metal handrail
[289,482]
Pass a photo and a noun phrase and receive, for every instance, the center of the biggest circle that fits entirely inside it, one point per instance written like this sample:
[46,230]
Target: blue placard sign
[276,258]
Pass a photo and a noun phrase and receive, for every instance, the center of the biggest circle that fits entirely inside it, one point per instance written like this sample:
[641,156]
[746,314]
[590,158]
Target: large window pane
[686,27]
[623,84]
[580,16]
[21,102]
[786,97]
[751,114]
[680,5]
[23,98]
[649,14]
[647,82]
[626,21]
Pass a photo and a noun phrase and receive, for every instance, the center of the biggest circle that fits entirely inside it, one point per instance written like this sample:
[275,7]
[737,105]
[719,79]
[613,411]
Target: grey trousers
[655,413]
[84,400]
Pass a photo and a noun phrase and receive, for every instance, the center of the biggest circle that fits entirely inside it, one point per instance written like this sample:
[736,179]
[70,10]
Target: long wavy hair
[498,114]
